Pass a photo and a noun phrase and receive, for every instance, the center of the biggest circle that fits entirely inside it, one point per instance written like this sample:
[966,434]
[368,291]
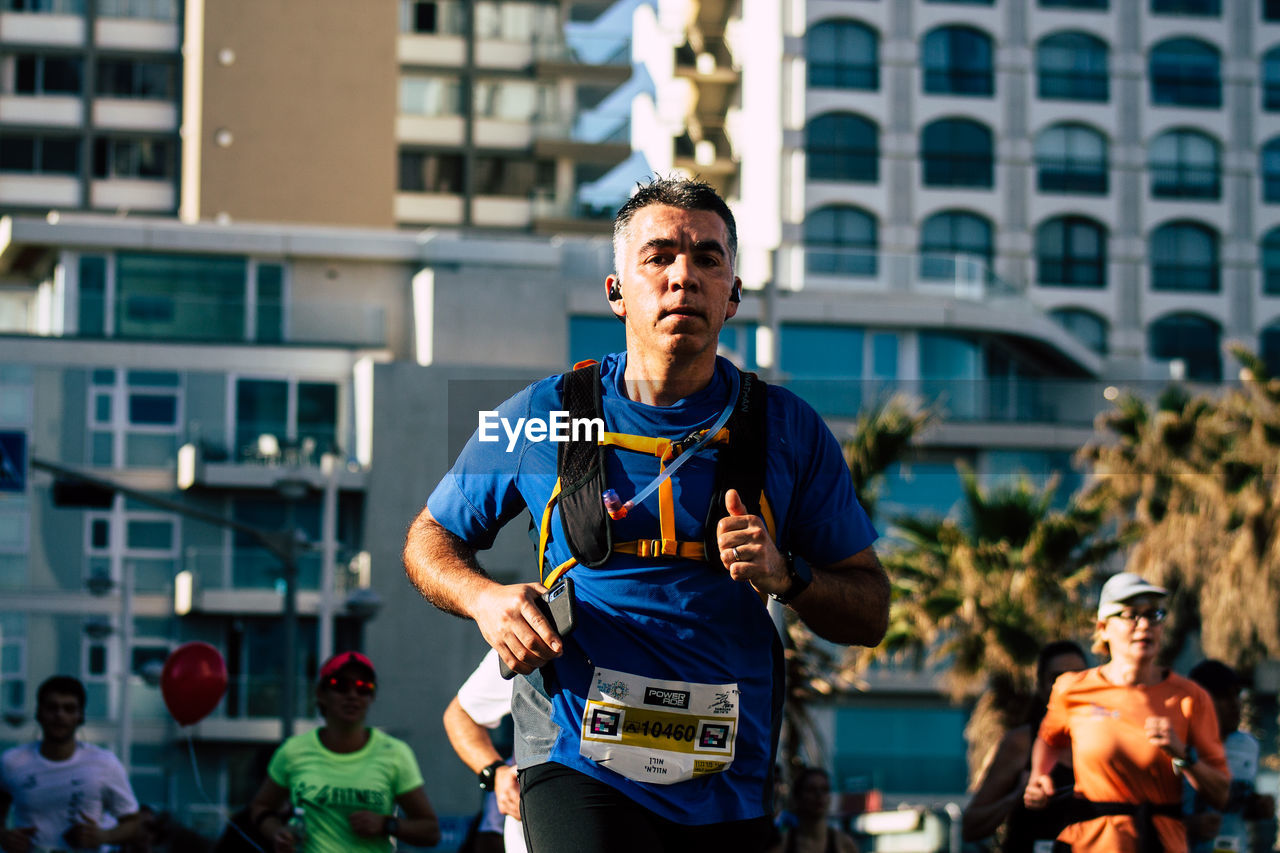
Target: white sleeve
[117,794]
[486,695]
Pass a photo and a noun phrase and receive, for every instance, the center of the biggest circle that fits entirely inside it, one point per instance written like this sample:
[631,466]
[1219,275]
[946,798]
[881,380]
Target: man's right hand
[509,618]
[284,841]
[1038,792]
[17,840]
[506,786]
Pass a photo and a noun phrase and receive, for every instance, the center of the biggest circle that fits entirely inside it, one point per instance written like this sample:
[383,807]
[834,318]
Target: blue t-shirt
[670,620]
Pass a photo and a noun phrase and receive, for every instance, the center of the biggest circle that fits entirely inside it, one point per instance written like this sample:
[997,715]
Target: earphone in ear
[615,291]
[736,295]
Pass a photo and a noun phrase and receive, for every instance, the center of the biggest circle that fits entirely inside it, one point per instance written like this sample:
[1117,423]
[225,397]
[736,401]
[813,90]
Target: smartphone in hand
[561,610]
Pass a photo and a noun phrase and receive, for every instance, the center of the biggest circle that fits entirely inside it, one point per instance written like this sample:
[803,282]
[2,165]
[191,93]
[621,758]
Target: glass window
[155,10]
[1185,72]
[840,240]
[1073,67]
[423,172]
[1269,348]
[318,415]
[55,155]
[1271,10]
[958,61]
[511,100]
[512,20]
[842,147]
[957,153]
[270,315]
[1185,164]
[1074,4]
[824,365]
[1071,158]
[1191,338]
[35,74]
[950,237]
[1271,80]
[137,78]
[1184,256]
[843,55]
[149,535]
[1271,171]
[262,408]
[133,158]
[184,297]
[951,372]
[1071,251]
[1270,263]
[517,176]
[1088,327]
[1187,7]
[430,95]
[93,295]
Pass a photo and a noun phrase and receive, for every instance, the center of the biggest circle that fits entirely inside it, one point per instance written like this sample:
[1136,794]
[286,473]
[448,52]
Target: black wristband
[488,776]
[801,576]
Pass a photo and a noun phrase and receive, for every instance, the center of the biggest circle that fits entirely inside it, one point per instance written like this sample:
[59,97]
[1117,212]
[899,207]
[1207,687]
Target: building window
[13,661]
[136,78]
[153,10]
[1271,80]
[431,17]
[1185,164]
[516,20]
[1271,10]
[958,61]
[1086,326]
[1073,67]
[430,95]
[1269,348]
[516,176]
[1271,171]
[426,172]
[957,153]
[824,365]
[843,55]
[133,158]
[842,147]
[512,100]
[1074,4]
[956,244]
[1190,338]
[1184,256]
[181,297]
[302,417]
[1270,263]
[1207,8]
[47,7]
[1071,251]
[1185,72]
[840,240]
[1071,158]
[42,155]
[34,74]
[135,417]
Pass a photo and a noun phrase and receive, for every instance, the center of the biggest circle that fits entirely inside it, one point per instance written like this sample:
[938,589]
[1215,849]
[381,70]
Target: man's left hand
[506,785]
[86,833]
[366,824]
[747,549]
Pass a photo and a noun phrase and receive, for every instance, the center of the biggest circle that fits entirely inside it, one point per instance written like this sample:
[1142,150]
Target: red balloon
[193,681]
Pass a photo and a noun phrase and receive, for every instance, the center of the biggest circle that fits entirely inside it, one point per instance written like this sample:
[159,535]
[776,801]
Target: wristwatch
[1184,763]
[391,826]
[800,575]
[489,775]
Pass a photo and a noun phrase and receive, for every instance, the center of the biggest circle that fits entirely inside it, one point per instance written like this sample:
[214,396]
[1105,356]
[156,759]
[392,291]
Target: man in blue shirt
[655,725]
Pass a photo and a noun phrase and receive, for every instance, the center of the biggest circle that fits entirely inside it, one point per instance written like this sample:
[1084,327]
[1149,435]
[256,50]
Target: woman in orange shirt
[1134,730]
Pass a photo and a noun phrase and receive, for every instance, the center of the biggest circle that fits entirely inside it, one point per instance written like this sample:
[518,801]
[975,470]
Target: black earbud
[736,295]
[615,292]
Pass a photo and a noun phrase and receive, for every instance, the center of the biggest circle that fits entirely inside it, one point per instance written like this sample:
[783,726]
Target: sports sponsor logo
[665,697]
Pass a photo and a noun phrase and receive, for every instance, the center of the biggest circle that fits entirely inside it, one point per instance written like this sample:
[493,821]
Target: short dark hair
[66,685]
[1220,680]
[684,193]
[1051,651]
[804,774]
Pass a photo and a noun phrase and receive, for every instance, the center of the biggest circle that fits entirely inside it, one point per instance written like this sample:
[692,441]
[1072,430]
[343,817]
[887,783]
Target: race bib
[660,732]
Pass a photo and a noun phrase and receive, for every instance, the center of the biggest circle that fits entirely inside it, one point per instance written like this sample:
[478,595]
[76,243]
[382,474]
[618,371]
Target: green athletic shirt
[330,786]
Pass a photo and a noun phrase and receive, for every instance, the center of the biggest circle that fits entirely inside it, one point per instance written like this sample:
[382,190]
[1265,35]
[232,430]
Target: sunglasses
[1153,617]
[339,684]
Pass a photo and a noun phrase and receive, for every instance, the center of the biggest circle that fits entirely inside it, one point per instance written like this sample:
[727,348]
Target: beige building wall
[291,105]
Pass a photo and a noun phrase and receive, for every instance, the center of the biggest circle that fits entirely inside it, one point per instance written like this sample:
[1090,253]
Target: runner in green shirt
[346,777]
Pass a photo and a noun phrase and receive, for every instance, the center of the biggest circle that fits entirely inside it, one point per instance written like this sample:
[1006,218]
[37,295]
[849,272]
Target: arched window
[1071,251]
[1184,256]
[1270,262]
[1193,339]
[952,242]
[840,240]
[842,147]
[1073,67]
[1187,7]
[958,61]
[1186,72]
[1071,158]
[1271,170]
[843,55]
[1086,326]
[1185,164]
[1271,79]
[957,152]
[1269,348]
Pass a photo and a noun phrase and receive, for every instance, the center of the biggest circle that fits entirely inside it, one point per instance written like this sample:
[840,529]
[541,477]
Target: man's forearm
[470,740]
[847,602]
[442,567]
[125,830]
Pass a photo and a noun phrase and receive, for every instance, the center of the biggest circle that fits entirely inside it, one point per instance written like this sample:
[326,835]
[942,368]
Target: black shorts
[566,811]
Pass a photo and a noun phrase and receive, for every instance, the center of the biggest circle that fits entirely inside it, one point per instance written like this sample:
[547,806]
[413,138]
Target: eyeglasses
[339,684]
[1154,617]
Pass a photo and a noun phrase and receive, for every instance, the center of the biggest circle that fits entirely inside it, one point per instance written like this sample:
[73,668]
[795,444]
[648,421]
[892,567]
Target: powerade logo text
[666,698]
[558,426]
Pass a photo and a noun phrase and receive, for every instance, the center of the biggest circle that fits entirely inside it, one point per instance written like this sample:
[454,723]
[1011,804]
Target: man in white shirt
[482,702]
[65,795]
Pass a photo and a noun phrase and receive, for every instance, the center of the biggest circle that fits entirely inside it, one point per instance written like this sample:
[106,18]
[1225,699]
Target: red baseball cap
[338,661]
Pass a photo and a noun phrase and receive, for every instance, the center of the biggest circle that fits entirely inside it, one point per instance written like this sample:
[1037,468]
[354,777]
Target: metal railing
[842,268]
[248,569]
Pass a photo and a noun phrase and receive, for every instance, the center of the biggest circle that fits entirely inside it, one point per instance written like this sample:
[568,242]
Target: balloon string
[195,771]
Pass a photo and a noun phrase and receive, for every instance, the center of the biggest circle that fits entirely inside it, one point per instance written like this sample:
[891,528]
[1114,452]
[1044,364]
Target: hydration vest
[580,481]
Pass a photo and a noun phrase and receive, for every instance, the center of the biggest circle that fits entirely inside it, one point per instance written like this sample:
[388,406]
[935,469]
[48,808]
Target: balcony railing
[249,569]
[837,268]
[583,48]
